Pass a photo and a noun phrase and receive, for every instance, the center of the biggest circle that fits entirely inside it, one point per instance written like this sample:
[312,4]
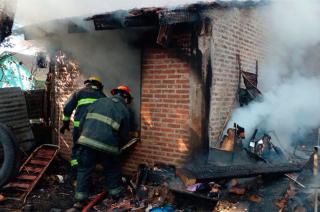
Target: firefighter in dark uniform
[104,130]
[79,101]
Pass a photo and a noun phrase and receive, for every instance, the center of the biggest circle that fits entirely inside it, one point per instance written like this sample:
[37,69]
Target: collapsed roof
[155,16]
[143,17]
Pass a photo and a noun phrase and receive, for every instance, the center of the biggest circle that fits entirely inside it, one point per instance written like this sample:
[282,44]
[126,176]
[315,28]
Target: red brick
[182,91]
[159,105]
[182,81]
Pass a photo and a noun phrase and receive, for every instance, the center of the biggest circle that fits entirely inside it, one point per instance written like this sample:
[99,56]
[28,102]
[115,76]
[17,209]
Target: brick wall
[233,31]
[65,78]
[165,115]
[167,88]
[165,105]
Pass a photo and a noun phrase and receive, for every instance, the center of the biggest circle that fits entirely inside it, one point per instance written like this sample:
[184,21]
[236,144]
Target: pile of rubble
[147,190]
[164,188]
[255,184]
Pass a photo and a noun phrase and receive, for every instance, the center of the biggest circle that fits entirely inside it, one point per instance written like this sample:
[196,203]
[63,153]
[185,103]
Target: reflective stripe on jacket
[105,126]
[79,102]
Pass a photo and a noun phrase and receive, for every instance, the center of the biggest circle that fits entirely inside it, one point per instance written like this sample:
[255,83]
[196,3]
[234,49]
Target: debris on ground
[163,187]
[230,206]
[30,173]
[50,194]
[255,198]
[148,189]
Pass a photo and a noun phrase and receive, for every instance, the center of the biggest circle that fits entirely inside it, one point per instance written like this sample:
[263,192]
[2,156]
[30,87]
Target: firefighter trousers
[87,160]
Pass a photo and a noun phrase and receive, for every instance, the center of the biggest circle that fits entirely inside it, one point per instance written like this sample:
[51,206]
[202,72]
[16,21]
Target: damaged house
[181,65]
[188,67]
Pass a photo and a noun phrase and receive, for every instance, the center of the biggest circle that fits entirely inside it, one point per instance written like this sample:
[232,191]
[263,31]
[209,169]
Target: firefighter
[104,130]
[79,101]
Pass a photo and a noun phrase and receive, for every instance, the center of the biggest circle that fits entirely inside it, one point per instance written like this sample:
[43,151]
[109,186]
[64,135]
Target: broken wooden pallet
[30,172]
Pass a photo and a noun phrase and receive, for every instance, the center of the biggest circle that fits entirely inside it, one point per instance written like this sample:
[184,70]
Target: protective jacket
[79,101]
[105,127]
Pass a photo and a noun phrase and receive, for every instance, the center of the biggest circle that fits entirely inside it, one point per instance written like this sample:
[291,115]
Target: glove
[64,127]
[134,134]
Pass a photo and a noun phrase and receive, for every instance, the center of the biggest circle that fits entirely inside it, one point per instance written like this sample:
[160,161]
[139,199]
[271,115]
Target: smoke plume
[35,11]
[289,78]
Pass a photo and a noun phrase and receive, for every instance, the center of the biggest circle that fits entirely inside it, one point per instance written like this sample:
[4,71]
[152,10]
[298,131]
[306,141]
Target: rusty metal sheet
[13,113]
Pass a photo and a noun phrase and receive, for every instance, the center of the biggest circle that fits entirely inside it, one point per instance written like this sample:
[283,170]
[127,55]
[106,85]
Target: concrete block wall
[234,31]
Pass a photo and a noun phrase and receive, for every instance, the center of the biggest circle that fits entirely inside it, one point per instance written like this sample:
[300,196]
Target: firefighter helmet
[95,78]
[123,89]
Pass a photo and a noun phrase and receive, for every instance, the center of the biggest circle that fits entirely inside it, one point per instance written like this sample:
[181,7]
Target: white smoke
[290,76]
[288,108]
[35,11]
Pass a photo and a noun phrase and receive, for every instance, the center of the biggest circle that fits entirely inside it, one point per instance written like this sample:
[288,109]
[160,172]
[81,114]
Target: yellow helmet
[95,78]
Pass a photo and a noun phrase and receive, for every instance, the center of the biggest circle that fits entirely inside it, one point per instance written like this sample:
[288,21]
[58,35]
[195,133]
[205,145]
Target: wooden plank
[16,108]
[13,104]
[46,151]
[13,118]
[18,124]
[212,172]
[39,162]
[13,110]
[32,169]
[10,99]
[10,91]
[19,185]
[26,177]
[44,155]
